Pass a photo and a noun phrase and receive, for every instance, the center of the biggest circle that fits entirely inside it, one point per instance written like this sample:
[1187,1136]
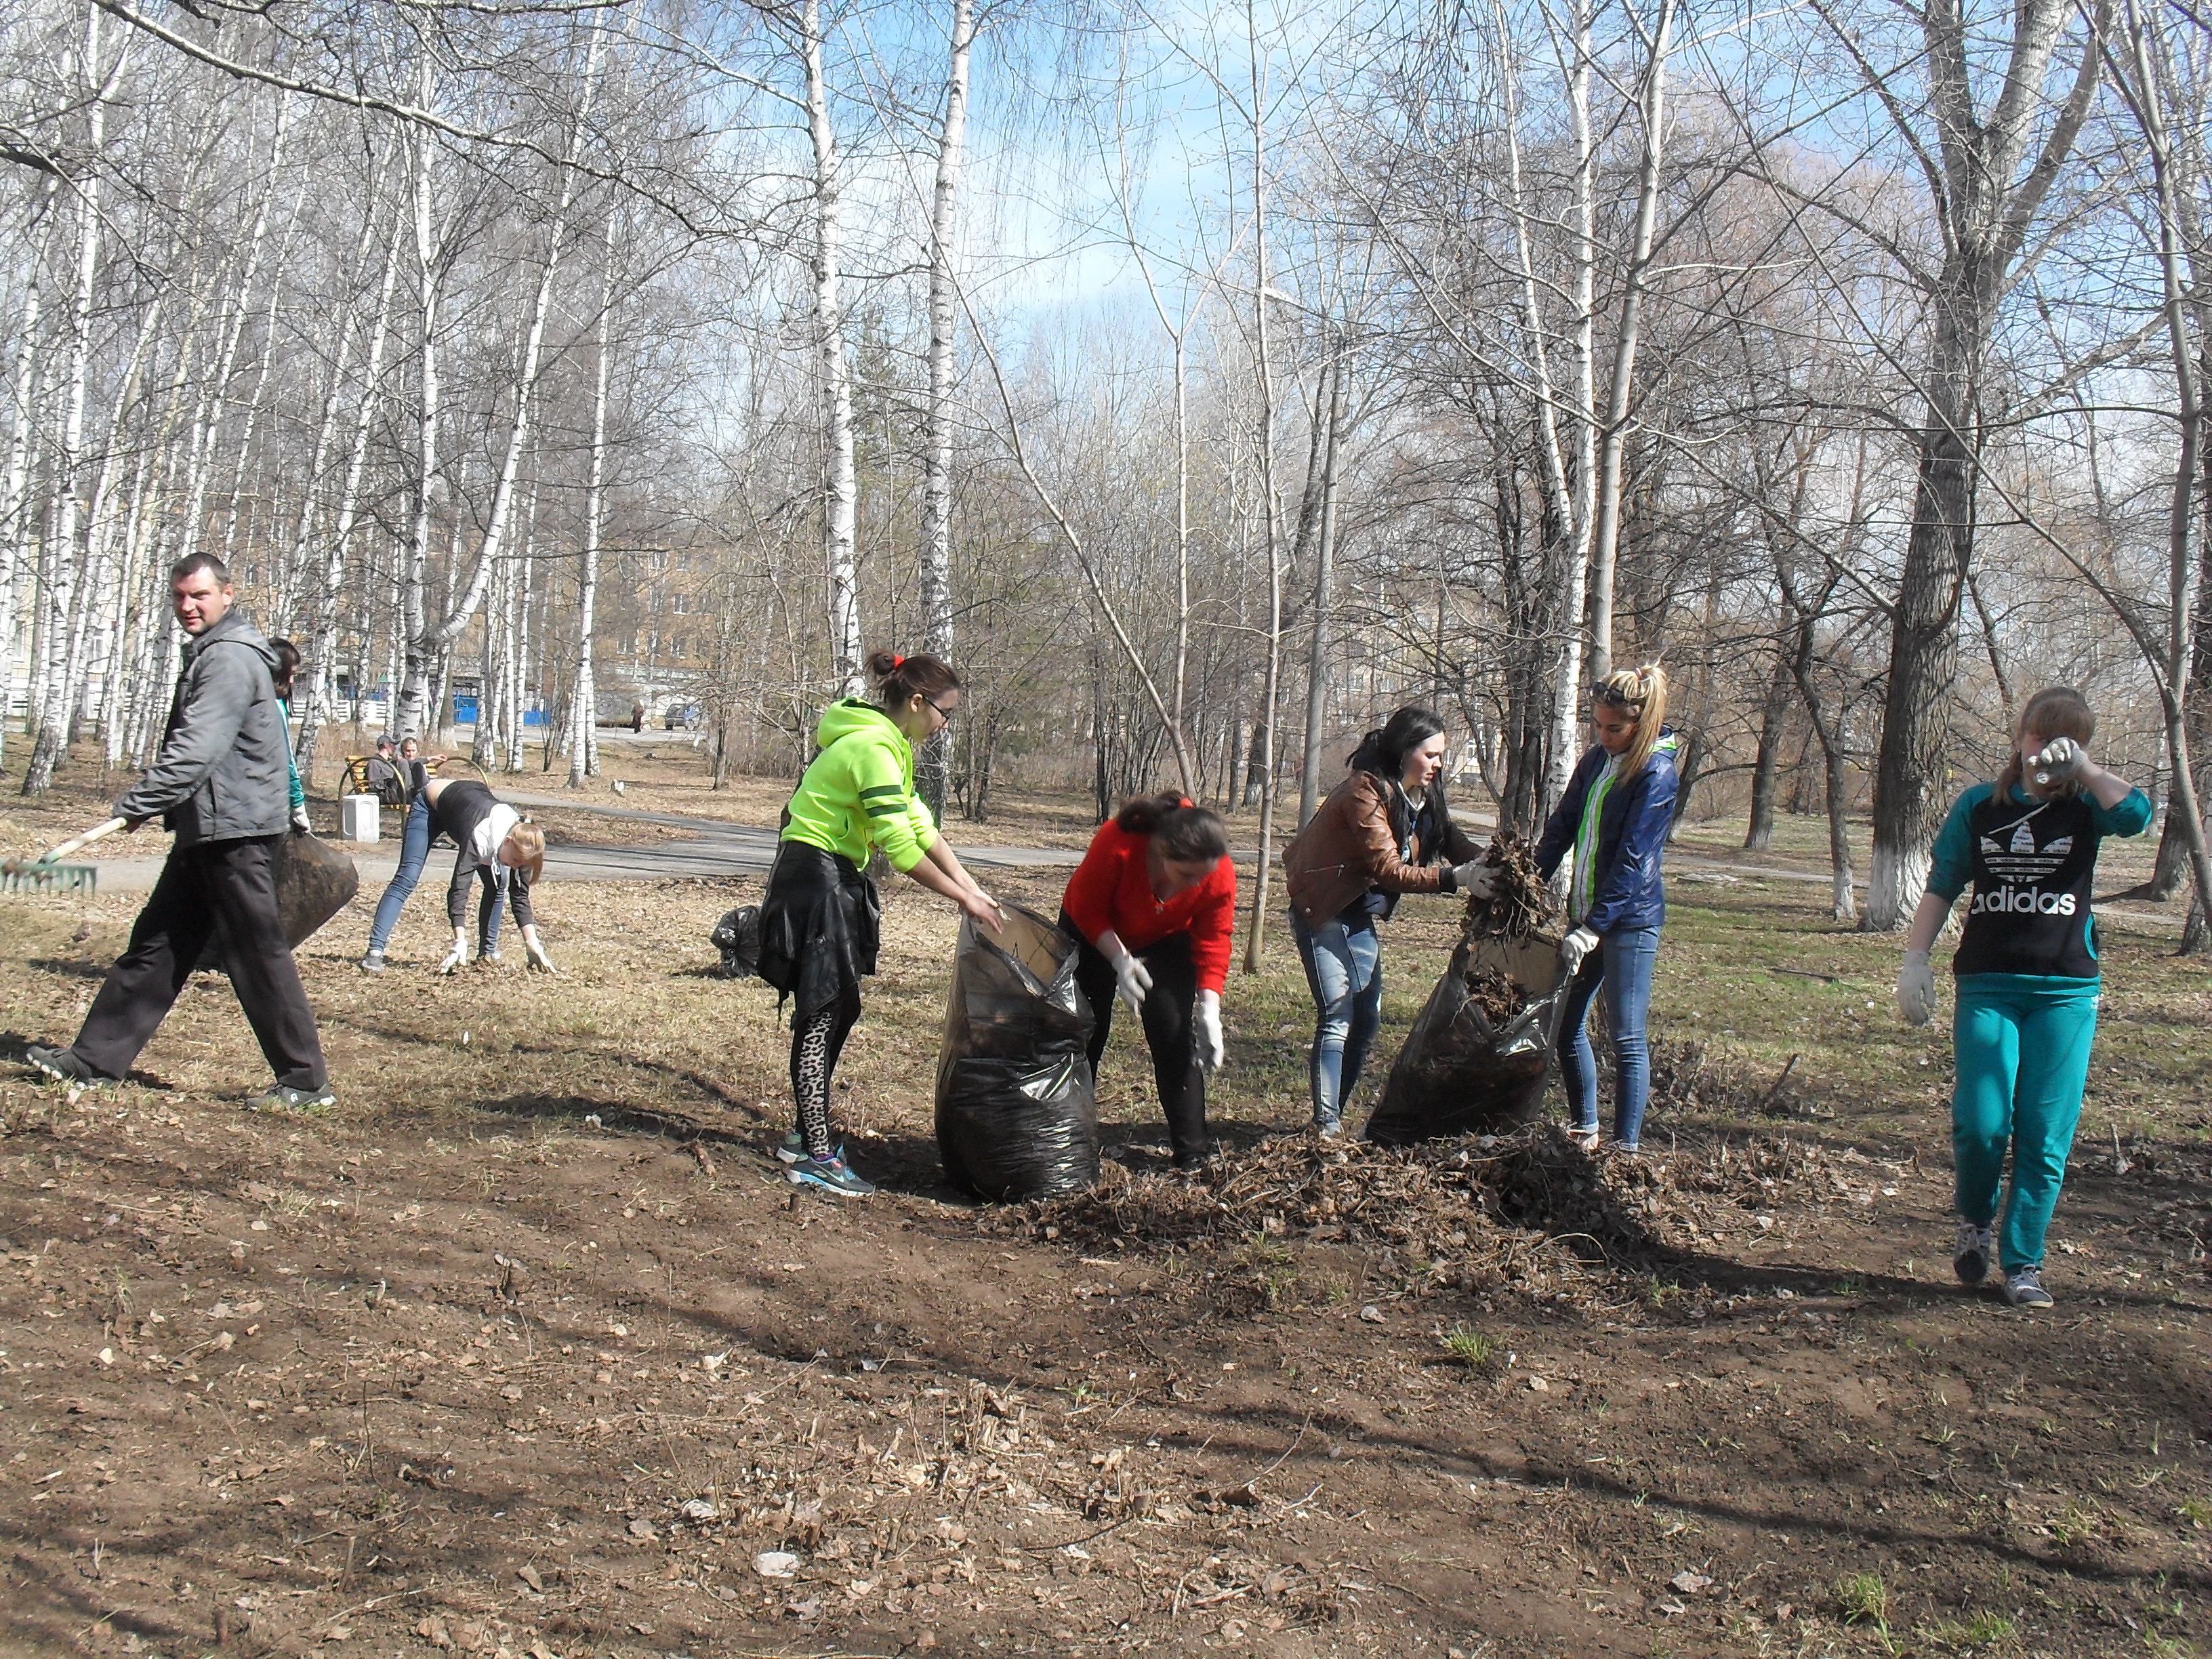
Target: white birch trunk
[840,491]
[1574,579]
[15,517]
[1612,436]
[51,719]
[583,710]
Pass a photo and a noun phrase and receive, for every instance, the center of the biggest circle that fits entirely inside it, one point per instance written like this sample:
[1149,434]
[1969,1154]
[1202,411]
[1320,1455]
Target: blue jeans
[1622,963]
[1344,969]
[414,854]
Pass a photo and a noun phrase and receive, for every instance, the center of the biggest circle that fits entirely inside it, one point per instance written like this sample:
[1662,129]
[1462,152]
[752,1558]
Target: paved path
[716,848]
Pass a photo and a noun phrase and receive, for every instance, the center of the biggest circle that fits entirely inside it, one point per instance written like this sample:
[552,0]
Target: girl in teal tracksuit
[2028,977]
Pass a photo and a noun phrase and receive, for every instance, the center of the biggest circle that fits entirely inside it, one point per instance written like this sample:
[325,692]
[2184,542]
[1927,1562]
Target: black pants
[1168,1018]
[220,888]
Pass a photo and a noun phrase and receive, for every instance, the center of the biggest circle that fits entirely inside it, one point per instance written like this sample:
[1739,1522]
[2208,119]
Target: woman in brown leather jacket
[1383,831]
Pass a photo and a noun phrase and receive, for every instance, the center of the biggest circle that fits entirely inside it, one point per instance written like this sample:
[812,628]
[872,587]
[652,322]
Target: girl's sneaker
[1971,1259]
[2024,1288]
[832,1175]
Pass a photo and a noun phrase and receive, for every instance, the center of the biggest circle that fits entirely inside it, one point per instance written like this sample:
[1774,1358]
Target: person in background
[1384,831]
[410,773]
[288,664]
[1614,819]
[819,918]
[494,845]
[2026,1015]
[219,787]
[1154,903]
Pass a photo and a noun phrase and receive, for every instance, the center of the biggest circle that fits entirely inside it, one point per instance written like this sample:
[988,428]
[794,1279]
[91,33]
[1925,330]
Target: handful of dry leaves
[1520,900]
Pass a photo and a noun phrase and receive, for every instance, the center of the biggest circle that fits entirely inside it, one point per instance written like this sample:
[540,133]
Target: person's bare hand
[985,910]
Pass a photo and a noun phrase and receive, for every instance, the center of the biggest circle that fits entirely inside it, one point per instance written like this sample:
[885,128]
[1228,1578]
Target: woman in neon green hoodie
[819,918]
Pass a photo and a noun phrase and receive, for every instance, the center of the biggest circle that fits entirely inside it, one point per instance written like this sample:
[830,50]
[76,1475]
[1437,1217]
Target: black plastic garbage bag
[737,937]
[1458,1073]
[314,881]
[1017,1107]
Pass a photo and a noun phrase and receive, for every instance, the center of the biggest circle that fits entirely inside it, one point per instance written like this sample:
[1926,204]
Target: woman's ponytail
[899,678]
[1641,694]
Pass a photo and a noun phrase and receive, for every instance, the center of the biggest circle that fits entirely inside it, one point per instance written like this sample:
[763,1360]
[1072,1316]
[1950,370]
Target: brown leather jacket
[1348,848]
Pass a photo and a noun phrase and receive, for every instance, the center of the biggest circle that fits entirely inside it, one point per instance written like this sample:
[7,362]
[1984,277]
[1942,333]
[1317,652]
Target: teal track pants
[2023,1057]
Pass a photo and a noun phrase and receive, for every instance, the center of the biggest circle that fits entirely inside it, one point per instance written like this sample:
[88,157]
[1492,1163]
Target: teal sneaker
[832,1175]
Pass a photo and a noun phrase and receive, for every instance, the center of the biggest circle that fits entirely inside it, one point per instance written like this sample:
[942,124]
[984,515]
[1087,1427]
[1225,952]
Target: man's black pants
[220,888]
[1167,1018]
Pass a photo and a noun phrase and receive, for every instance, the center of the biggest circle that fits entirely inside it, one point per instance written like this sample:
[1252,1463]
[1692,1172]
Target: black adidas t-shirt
[2033,864]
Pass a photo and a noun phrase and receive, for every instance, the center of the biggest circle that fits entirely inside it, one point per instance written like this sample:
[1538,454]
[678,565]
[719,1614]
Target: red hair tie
[897,662]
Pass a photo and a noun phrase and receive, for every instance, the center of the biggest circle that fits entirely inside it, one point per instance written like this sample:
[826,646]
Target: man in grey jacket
[221,785]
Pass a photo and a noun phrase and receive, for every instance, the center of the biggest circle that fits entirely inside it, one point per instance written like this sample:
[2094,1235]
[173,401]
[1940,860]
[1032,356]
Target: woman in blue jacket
[1614,819]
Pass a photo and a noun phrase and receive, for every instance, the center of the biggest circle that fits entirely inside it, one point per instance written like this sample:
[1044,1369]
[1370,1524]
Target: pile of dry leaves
[1530,1208]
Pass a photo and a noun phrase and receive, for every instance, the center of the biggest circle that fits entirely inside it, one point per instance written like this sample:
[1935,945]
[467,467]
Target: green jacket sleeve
[888,802]
[925,827]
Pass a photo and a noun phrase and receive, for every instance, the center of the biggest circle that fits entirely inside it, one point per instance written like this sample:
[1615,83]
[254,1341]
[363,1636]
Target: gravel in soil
[528,1347]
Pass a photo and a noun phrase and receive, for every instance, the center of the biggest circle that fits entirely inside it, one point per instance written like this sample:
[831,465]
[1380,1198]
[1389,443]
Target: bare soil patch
[528,1347]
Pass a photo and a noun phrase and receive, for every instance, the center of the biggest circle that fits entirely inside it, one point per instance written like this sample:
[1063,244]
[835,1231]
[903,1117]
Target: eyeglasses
[943,713]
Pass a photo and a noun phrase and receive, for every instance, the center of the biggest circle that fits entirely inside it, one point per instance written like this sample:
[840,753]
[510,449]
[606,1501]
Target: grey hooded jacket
[221,773]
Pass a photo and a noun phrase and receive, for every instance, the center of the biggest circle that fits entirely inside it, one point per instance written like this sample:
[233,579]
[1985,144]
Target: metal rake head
[50,878]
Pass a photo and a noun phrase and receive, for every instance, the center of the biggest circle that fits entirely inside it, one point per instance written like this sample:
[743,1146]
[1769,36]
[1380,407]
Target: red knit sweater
[1111,889]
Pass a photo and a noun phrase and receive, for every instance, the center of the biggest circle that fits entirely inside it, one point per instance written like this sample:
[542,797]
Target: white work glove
[1475,878]
[1132,979]
[1916,989]
[1206,1019]
[300,821]
[455,957]
[536,952]
[2059,761]
[1574,947]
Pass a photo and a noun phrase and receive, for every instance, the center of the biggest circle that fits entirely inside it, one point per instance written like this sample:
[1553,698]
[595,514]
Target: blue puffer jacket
[1625,889]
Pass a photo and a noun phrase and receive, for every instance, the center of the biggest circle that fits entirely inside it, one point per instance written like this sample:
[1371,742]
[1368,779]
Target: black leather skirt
[821,923]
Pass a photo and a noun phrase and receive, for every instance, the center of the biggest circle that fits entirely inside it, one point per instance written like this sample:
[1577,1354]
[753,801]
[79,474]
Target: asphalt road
[716,848]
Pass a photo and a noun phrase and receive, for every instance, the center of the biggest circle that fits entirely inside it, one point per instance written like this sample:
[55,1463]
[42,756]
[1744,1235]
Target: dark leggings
[816,1042]
[1167,1016]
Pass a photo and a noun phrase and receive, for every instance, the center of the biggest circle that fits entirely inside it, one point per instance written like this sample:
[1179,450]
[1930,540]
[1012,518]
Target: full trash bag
[1017,1107]
[314,881]
[1461,1072]
[737,937]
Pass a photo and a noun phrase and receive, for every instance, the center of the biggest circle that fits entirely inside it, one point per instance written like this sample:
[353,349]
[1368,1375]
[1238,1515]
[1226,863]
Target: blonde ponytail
[1641,694]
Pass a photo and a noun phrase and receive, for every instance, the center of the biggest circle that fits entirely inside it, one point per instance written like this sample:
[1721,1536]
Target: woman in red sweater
[1154,902]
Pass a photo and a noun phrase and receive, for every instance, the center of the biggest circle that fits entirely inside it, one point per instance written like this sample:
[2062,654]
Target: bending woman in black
[493,842]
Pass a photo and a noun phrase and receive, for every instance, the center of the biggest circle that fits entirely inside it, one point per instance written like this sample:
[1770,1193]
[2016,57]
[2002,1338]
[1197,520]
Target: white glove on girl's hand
[1574,947]
[300,821]
[536,953]
[1476,879]
[2060,760]
[1206,1020]
[1916,989]
[455,957]
[1132,979]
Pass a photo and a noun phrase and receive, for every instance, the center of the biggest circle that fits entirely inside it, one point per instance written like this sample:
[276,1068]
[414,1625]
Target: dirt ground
[527,1349]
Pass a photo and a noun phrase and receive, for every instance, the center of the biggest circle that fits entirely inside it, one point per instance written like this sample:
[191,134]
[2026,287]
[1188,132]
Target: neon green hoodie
[858,793]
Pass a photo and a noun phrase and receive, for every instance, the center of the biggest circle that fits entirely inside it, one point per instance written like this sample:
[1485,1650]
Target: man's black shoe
[64,1067]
